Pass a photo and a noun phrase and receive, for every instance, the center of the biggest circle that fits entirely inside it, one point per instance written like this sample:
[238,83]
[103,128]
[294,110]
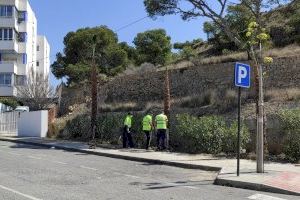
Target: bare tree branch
[36,92]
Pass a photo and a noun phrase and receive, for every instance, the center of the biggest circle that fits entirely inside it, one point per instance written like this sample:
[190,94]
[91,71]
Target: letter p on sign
[242,75]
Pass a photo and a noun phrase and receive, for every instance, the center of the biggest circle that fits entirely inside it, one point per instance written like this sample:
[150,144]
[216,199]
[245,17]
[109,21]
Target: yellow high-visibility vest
[128,121]
[161,121]
[147,121]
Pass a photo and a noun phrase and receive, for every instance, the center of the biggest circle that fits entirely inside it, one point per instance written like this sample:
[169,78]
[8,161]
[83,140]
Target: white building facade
[21,49]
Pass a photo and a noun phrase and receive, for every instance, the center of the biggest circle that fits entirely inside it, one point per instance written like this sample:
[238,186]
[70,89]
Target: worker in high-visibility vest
[147,128]
[161,122]
[127,137]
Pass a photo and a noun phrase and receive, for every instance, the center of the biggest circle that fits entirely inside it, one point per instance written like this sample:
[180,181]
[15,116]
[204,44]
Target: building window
[10,34]
[6,34]
[24,58]
[20,80]
[37,63]
[22,16]
[5,79]
[6,11]
[38,48]
[22,37]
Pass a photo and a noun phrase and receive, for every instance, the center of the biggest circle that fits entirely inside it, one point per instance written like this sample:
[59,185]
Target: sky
[58,17]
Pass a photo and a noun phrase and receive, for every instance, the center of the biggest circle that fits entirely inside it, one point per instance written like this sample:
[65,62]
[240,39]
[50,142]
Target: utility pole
[260,120]
[94,93]
[167,102]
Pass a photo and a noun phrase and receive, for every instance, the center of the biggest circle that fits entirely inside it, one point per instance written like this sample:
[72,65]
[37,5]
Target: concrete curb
[253,186]
[130,158]
[218,181]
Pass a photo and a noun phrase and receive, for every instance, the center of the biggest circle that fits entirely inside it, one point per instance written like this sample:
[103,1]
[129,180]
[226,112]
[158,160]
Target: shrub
[290,120]
[9,102]
[79,127]
[56,128]
[230,138]
[109,128]
[209,134]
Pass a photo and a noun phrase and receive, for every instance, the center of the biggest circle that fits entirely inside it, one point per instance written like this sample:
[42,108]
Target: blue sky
[58,17]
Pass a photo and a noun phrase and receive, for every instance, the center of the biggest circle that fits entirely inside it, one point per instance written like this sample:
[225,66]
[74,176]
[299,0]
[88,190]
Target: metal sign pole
[239,132]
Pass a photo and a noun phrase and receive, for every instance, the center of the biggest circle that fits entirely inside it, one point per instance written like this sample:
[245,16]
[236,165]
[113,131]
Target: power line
[117,30]
[132,23]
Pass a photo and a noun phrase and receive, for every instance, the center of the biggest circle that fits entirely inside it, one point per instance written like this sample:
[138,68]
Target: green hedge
[208,134]
[290,120]
[109,128]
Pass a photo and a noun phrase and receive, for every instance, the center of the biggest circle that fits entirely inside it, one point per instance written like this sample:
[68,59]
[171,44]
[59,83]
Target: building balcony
[9,46]
[12,67]
[12,46]
[9,22]
[8,91]
[8,67]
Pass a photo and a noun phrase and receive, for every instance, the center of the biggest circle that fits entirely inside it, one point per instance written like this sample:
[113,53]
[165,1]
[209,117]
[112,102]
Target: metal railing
[9,124]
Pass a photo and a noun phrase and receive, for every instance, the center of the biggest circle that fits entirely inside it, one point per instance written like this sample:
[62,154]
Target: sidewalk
[279,178]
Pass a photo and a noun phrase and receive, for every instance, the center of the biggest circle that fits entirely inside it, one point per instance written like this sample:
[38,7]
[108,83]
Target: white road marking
[33,157]
[90,168]
[190,187]
[58,162]
[264,197]
[19,193]
[99,178]
[131,176]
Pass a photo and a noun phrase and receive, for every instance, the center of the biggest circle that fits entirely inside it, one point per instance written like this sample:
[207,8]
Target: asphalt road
[34,173]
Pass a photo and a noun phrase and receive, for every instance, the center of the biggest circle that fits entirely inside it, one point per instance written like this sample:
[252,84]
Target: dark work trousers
[147,133]
[127,138]
[161,139]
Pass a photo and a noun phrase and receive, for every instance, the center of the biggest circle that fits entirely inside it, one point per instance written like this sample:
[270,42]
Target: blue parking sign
[242,75]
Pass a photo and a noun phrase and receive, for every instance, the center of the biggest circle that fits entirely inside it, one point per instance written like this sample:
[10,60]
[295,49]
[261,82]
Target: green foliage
[109,128]
[9,102]
[209,134]
[290,120]
[187,52]
[78,52]
[131,52]
[193,44]
[230,138]
[153,46]
[79,127]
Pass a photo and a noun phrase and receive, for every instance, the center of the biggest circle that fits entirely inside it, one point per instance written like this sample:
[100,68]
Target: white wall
[33,124]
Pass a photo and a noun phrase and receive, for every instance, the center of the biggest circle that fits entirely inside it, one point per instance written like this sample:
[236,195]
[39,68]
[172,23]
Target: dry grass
[220,101]
[281,95]
[120,107]
[240,56]
[207,98]
[291,50]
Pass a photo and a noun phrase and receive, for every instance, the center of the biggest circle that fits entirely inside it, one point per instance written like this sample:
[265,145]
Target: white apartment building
[43,56]
[21,49]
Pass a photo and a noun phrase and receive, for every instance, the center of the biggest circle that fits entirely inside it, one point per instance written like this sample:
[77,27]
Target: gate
[8,124]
